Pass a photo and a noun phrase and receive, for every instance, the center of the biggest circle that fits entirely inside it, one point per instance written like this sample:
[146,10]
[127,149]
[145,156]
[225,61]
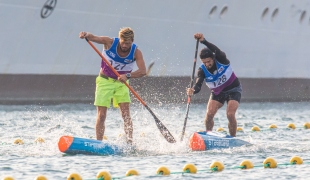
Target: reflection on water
[28,122]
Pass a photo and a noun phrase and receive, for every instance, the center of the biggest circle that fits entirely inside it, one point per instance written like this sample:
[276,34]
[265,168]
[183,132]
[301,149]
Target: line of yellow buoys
[188,168]
[272,126]
[220,129]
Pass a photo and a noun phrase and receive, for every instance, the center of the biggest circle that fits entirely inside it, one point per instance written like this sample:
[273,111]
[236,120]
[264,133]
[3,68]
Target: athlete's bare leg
[124,107]
[232,107]
[100,127]
[212,108]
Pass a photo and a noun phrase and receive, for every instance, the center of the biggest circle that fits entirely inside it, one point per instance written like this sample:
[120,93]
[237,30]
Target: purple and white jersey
[122,65]
[222,78]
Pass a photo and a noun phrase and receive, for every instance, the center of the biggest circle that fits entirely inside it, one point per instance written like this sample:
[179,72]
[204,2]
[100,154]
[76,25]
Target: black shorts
[232,94]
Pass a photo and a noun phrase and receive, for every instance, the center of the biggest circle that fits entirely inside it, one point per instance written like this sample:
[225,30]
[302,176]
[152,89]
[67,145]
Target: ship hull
[43,59]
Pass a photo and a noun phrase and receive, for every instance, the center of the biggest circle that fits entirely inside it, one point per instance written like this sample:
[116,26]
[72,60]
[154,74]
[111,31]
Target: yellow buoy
[296,160]
[132,172]
[217,166]
[8,178]
[104,175]
[18,141]
[162,170]
[74,176]
[190,168]
[200,130]
[255,128]
[105,137]
[273,126]
[39,140]
[246,164]
[220,129]
[307,125]
[291,126]
[40,178]
[239,129]
[270,163]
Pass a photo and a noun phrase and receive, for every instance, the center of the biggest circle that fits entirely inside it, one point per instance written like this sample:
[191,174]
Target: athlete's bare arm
[141,71]
[105,40]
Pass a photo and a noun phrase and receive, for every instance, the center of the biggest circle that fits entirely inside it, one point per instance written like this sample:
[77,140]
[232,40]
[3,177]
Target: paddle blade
[149,68]
[164,131]
[162,128]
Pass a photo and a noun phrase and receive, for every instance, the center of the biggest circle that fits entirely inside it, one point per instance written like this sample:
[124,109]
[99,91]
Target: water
[28,122]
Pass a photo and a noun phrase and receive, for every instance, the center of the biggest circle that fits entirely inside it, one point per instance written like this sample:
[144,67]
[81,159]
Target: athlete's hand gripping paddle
[191,85]
[164,131]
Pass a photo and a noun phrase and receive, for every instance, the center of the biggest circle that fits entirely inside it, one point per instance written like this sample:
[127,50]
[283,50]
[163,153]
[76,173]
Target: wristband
[128,75]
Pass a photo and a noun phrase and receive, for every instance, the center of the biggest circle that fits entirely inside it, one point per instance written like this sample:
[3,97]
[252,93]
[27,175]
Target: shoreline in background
[58,89]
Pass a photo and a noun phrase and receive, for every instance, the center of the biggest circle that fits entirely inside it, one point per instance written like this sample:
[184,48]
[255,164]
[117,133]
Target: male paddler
[219,76]
[122,53]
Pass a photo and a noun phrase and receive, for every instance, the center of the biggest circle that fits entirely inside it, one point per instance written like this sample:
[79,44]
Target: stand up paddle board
[75,145]
[201,141]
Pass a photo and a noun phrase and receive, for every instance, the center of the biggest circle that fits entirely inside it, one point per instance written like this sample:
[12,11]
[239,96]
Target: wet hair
[126,34]
[206,53]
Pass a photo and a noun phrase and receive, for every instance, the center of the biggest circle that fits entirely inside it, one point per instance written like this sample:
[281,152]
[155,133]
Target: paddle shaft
[191,85]
[165,132]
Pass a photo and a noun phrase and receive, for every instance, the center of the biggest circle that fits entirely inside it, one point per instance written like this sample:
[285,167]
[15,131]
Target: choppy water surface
[29,122]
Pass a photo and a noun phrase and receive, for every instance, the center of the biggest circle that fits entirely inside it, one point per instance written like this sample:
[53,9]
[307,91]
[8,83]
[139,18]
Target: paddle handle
[193,72]
[194,67]
[191,85]
[115,72]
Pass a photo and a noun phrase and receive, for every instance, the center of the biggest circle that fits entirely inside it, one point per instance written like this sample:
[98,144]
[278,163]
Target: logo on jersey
[128,60]
[111,54]
[221,69]
[210,78]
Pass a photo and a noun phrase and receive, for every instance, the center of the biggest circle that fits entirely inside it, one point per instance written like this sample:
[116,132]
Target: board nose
[64,143]
[196,142]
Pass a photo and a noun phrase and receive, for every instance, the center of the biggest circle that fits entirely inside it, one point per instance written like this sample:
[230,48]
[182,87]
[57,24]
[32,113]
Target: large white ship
[42,58]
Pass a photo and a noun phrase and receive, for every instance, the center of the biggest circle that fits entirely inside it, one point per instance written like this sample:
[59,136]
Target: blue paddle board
[201,141]
[75,145]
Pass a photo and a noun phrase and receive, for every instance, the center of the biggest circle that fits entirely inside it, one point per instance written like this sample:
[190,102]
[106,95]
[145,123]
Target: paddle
[164,131]
[191,85]
[149,69]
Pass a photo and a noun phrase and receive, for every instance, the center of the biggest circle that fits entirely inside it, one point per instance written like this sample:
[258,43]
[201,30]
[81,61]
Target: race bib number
[221,80]
[117,66]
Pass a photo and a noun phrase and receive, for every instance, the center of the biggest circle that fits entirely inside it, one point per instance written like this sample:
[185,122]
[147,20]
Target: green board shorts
[109,88]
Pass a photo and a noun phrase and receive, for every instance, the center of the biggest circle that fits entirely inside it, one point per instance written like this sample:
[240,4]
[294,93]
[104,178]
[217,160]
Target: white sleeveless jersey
[122,65]
[223,77]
